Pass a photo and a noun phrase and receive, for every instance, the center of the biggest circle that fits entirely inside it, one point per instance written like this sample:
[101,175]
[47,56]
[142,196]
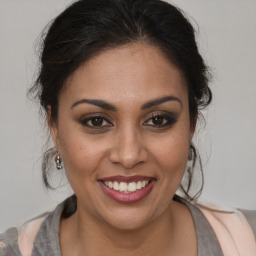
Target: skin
[127,143]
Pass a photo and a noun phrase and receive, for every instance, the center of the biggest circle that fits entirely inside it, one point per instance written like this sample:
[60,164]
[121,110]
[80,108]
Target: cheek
[172,153]
[82,160]
[173,156]
[172,163]
[81,154]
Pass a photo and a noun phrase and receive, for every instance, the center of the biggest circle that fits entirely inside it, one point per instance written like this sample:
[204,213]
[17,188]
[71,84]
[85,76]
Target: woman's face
[123,132]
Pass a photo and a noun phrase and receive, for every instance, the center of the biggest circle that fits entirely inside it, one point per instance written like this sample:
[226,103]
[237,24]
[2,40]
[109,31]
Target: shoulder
[225,215]
[37,236]
[251,218]
[19,241]
[9,243]
[234,228]
[27,234]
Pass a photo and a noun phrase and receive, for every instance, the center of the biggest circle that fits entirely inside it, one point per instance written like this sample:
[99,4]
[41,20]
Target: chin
[129,219]
[128,223]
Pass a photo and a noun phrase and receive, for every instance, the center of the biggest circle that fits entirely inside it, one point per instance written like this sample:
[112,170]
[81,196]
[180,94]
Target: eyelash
[85,122]
[168,118]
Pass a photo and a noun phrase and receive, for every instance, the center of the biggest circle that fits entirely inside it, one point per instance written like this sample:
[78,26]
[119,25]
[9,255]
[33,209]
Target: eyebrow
[98,103]
[108,106]
[161,100]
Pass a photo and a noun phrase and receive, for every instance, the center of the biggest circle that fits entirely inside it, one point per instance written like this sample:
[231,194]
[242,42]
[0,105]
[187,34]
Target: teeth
[132,187]
[126,187]
[123,187]
[110,184]
[116,185]
[139,185]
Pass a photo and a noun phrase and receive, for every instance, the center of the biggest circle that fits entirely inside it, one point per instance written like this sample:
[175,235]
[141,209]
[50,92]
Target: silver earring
[58,161]
[190,156]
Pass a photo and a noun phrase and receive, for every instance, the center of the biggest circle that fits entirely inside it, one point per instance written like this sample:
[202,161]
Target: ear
[193,128]
[53,128]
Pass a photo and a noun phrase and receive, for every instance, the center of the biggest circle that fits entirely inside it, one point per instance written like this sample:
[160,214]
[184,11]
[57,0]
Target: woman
[122,83]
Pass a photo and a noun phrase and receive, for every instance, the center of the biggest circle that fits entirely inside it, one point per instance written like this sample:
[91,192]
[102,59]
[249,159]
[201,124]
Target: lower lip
[128,197]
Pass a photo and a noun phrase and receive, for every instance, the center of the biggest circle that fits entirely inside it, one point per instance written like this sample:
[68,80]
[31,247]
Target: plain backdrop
[226,34]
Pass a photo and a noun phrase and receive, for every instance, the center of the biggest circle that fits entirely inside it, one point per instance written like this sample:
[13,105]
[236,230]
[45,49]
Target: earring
[191,152]
[58,161]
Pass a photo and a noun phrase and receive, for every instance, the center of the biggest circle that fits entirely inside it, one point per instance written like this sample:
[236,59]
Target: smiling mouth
[125,187]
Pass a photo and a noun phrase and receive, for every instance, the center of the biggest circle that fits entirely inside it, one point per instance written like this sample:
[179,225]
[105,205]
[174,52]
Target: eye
[95,122]
[160,120]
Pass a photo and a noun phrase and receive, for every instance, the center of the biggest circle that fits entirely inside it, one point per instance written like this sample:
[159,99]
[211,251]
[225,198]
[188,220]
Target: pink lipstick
[127,189]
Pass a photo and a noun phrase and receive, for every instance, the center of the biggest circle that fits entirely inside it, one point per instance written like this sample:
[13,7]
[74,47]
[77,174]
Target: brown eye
[161,120]
[158,120]
[97,121]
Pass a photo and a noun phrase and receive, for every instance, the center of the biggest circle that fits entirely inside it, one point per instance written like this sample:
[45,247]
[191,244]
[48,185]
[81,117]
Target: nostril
[128,155]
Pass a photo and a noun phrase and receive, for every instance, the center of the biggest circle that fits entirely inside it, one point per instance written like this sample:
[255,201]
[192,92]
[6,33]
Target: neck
[90,236]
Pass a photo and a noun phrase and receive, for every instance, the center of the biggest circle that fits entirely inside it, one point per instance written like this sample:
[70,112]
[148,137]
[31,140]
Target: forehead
[127,73]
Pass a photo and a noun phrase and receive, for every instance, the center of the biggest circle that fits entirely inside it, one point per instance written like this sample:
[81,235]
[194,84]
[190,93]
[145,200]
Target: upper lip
[127,179]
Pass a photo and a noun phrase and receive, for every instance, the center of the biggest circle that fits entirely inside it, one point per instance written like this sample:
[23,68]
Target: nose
[128,149]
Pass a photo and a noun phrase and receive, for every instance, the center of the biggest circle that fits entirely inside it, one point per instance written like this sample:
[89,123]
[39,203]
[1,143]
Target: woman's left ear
[53,128]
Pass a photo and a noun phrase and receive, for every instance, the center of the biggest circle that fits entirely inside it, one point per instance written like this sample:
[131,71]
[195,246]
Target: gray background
[227,40]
